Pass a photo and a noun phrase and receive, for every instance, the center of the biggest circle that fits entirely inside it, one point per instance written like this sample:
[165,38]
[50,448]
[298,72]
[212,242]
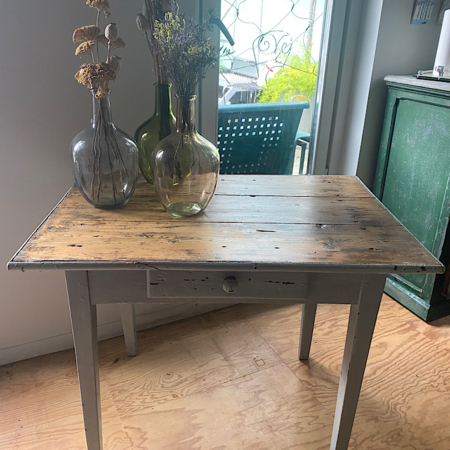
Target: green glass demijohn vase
[185,166]
[160,125]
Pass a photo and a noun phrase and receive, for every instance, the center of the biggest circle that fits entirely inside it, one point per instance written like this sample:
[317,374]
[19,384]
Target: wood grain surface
[231,380]
[313,223]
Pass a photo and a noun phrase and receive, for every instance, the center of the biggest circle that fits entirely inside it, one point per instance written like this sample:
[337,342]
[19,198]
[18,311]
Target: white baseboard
[105,331]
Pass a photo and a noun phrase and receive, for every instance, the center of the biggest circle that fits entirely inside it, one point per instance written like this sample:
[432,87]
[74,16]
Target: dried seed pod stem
[111,32]
[97,22]
[154,11]
[96,75]
[115,64]
[148,43]
[142,23]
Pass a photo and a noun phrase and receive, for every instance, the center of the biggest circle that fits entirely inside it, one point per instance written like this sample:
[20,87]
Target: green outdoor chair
[259,138]
[302,139]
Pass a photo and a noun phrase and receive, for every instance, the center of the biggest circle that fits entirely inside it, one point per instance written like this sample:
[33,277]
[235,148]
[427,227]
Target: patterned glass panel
[270,63]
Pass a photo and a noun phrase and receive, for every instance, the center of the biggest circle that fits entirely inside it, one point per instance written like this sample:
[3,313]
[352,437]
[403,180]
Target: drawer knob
[230,285]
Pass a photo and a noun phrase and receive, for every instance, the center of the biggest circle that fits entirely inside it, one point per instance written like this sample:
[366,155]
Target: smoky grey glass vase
[185,166]
[105,160]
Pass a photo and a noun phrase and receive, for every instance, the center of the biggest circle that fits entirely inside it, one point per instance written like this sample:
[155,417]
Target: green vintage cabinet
[412,181]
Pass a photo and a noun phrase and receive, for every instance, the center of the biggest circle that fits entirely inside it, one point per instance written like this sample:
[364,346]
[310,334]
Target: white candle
[443,50]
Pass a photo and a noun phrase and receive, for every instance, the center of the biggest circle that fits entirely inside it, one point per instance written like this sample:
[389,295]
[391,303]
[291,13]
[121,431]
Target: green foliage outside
[297,77]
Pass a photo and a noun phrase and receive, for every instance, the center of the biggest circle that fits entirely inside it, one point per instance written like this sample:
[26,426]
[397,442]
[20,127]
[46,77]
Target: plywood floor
[230,380]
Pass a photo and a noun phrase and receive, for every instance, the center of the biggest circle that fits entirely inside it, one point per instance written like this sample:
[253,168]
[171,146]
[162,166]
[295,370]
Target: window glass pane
[267,82]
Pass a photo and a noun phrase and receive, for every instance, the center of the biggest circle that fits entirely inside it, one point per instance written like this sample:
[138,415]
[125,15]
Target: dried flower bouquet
[153,11]
[186,53]
[162,122]
[104,159]
[185,166]
[96,75]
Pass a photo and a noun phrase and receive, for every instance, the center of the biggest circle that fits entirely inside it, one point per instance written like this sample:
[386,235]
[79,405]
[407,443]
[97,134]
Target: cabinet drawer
[226,285]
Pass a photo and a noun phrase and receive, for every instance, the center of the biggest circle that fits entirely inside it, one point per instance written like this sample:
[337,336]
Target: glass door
[277,86]
[265,86]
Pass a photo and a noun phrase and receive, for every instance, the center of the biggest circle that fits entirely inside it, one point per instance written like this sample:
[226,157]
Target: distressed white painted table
[263,239]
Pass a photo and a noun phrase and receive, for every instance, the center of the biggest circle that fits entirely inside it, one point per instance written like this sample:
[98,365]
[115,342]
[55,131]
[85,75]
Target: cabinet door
[416,182]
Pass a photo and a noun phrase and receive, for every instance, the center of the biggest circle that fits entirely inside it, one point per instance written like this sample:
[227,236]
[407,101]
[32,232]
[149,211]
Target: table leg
[363,316]
[129,327]
[84,328]
[306,330]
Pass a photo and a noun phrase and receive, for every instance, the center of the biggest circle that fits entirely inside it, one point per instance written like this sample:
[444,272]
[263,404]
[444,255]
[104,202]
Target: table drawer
[176,286]
[226,285]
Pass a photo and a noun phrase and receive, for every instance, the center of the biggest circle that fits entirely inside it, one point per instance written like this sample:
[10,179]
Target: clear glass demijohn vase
[104,160]
[185,166]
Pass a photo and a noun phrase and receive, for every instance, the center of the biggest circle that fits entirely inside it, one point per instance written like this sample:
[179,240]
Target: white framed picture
[422,12]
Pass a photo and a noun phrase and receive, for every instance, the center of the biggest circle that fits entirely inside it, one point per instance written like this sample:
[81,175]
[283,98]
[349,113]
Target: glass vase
[185,166]
[104,159]
[153,130]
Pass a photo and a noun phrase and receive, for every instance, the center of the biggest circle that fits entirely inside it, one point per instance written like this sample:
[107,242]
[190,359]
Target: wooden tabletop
[286,223]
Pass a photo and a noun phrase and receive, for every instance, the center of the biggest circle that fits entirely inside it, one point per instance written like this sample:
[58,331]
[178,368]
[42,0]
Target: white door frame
[327,95]
[209,87]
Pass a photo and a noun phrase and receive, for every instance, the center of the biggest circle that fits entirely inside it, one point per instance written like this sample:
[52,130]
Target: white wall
[361,41]
[41,108]
[386,44]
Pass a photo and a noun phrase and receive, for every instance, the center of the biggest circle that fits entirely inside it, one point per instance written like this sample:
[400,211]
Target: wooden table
[263,239]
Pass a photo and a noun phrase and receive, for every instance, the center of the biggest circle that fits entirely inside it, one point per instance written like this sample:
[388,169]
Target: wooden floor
[230,380]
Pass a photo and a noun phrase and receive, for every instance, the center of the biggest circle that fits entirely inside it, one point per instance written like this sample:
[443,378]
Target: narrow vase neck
[163,101]
[101,110]
[186,113]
